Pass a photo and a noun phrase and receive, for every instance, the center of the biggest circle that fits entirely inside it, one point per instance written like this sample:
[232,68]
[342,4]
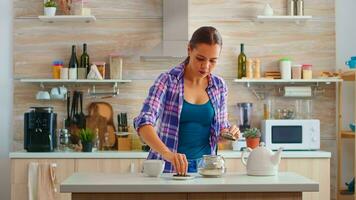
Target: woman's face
[203,58]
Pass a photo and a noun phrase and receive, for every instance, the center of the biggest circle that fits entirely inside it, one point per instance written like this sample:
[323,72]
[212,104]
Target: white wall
[345,48]
[5,95]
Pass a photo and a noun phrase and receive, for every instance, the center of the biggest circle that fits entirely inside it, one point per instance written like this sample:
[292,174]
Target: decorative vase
[87,146]
[252,142]
[50,11]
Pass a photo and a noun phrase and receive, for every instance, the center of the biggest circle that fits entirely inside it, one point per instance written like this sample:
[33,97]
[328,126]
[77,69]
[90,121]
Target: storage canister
[115,66]
[249,68]
[257,69]
[296,71]
[307,71]
[285,66]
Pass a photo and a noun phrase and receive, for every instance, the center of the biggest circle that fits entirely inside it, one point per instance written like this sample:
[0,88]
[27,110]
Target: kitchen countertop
[231,182]
[137,154]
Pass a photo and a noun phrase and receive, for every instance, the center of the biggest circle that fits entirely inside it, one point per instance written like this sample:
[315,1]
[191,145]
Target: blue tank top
[194,129]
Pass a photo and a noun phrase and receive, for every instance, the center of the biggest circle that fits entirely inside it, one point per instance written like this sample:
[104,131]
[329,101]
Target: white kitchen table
[286,185]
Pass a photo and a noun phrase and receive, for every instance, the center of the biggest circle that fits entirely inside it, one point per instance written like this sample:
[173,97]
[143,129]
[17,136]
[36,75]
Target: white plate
[183,177]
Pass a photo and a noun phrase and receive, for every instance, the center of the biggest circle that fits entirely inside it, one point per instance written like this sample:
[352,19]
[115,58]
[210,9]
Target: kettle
[351,63]
[261,161]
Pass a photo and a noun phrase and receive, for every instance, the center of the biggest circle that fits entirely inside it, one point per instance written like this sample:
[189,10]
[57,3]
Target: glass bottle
[84,68]
[241,63]
[73,64]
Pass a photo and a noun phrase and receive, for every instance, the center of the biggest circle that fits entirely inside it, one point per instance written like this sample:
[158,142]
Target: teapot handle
[243,159]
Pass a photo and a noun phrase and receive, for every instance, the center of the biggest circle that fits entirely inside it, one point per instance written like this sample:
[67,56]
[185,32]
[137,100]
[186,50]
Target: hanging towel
[46,187]
[32,180]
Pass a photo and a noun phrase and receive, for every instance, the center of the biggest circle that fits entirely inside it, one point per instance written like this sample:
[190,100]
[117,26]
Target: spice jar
[56,69]
[101,68]
[307,71]
[296,71]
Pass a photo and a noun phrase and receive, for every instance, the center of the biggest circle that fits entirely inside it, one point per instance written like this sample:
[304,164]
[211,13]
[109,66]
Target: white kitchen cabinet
[109,165]
[19,171]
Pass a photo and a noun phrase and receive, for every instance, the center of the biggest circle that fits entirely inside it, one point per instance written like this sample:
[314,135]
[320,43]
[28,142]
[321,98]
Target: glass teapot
[212,166]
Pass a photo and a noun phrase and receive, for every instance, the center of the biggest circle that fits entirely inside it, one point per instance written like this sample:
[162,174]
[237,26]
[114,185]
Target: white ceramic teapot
[261,161]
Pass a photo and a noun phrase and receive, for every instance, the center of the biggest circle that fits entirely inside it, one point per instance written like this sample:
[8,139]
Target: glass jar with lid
[307,71]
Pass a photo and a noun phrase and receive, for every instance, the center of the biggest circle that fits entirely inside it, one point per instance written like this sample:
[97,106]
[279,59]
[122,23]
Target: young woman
[190,104]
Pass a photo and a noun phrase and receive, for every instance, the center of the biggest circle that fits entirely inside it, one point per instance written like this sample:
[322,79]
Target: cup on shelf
[43,95]
[58,93]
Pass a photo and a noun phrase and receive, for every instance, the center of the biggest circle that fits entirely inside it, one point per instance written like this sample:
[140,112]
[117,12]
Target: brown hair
[206,35]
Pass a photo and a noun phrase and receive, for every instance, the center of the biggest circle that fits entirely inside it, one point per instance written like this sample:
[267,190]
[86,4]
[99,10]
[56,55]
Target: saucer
[183,177]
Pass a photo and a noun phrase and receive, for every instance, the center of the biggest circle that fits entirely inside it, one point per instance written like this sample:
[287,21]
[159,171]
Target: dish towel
[32,180]
[42,181]
[46,187]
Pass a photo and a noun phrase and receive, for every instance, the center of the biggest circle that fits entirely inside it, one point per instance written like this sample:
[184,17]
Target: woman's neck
[191,78]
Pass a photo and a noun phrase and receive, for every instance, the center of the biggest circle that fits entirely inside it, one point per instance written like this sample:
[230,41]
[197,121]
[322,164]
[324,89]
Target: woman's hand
[178,160]
[234,131]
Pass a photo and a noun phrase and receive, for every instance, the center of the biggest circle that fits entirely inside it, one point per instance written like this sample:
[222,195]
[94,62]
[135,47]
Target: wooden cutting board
[101,117]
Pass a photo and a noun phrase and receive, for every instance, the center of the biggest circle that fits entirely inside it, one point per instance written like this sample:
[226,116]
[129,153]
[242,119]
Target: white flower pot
[50,11]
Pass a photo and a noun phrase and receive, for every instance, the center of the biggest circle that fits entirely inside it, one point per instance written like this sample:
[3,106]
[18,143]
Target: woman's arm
[150,137]
[224,122]
[145,122]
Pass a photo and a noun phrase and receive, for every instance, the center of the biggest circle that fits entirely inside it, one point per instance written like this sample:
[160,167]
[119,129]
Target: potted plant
[86,137]
[252,136]
[50,7]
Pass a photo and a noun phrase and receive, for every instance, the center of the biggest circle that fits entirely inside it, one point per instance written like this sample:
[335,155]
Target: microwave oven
[296,134]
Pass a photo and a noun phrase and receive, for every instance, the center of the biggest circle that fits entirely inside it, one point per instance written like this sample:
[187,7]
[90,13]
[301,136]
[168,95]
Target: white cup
[58,92]
[153,167]
[43,95]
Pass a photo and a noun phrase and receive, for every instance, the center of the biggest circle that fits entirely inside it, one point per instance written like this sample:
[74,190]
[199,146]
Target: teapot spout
[276,158]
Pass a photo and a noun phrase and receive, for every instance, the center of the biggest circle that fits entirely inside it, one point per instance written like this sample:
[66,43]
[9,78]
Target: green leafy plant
[86,135]
[50,3]
[252,133]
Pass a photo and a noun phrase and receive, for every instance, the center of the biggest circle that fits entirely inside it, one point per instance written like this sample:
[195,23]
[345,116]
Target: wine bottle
[73,64]
[84,68]
[241,63]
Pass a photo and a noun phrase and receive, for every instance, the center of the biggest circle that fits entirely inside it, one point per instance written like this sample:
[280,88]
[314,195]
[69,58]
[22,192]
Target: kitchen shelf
[347,134]
[74,81]
[67,18]
[348,75]
[282,18]
[345,192]
[318,80]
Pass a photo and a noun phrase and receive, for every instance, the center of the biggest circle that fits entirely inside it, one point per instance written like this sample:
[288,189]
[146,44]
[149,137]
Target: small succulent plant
[252,133]
[86,135]
[50,3]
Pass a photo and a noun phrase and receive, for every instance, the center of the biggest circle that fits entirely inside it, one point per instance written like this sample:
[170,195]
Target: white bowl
[153,168]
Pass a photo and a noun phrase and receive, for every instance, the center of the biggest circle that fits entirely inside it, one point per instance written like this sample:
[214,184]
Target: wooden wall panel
[134,27]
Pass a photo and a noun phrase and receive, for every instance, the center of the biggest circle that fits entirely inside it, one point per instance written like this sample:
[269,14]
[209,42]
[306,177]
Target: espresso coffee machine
[244,113]
[40,125]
